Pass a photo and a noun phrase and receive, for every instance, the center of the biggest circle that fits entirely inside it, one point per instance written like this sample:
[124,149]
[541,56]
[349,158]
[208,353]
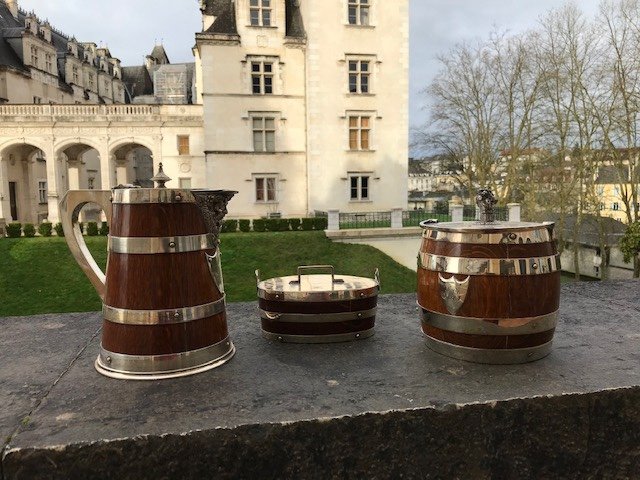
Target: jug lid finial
[161,178]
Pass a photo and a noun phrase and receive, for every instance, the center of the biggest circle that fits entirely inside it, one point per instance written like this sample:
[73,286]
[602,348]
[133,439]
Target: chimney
[13,7]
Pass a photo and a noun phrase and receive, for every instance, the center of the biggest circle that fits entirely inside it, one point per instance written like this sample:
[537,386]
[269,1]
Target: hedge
[29,230]
[14,229]
[45,229]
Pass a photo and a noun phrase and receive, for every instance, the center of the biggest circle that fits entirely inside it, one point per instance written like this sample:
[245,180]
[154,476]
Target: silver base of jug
[158,367]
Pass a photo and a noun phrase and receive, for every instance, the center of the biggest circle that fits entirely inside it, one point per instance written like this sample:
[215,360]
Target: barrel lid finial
[161,178]
[485,200]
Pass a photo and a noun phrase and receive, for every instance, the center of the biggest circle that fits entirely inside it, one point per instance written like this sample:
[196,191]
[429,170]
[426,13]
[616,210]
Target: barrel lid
[479,227]
[317,287]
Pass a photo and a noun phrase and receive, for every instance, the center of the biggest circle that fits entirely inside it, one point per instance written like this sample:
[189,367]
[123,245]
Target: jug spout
[213,206]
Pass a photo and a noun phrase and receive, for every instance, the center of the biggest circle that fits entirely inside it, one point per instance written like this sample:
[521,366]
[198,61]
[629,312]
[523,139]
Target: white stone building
[298,105]
[305,103]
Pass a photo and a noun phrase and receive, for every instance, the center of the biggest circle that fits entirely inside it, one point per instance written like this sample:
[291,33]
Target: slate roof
[160,54]
[294,23]
[9,26]
[589,229]
[225,13]
[612,174]
[137,80]
[225,22]
[215,7]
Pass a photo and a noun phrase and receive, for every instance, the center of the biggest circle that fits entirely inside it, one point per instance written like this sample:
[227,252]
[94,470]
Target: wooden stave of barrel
[161,282]
[490,300]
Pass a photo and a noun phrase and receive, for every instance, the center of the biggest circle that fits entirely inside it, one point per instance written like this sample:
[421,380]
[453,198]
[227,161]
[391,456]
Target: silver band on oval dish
[332,338]
[317,317]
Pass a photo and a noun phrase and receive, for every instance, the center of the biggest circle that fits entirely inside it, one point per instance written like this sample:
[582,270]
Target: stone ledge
[362,233]
[379,408]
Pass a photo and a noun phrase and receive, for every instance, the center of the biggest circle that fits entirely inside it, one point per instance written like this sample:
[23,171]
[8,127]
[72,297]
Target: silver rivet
[534,266]
[172,244]
[178,198]
[513,236]
[277,296]
[357,335]
[177,314]
[280,338]
[359,315]
[227,344]
[108,359]
[362,294]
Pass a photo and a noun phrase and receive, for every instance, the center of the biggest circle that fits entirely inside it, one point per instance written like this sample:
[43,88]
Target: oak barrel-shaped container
[318,308]
[489,292]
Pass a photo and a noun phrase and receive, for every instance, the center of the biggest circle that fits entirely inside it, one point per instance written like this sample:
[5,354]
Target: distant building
[430,182]
[160,81]
[613,185]
[39,64]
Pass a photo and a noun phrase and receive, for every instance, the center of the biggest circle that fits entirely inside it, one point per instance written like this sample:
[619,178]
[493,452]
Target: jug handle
[70,207]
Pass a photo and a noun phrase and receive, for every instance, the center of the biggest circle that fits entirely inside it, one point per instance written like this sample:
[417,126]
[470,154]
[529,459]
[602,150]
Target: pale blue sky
[130,27]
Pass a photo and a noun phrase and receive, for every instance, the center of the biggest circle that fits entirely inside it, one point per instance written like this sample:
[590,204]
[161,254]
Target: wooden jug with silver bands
[489,291]
[162,292]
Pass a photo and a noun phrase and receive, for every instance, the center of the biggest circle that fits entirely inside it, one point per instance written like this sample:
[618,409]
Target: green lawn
[39,275]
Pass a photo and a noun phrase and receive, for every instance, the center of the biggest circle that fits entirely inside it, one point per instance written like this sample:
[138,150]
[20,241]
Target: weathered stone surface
[34,352]
[386,407]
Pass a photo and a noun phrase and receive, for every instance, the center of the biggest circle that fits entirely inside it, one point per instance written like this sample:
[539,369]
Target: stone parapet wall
[385,407]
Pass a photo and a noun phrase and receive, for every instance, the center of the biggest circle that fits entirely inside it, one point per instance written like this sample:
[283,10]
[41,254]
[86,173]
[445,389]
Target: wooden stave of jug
[510,275]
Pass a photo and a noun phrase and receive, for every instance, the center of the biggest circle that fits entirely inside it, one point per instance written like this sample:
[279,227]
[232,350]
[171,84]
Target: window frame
[264,131]
[264,190]
[358,7]
[359,129]
[357,75]
[262,75]
[362,192]
[34,56]
[48,62]
[262,12]
[43,192]
[180,146]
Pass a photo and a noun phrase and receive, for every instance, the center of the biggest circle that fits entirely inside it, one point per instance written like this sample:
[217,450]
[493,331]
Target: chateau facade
[305,103]
[298,105]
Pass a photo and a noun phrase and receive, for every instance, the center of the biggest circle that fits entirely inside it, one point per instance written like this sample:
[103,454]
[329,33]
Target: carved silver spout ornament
[485,200]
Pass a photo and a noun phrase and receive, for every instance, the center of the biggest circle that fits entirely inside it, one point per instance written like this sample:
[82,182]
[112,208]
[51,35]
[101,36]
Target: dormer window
[260,13]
